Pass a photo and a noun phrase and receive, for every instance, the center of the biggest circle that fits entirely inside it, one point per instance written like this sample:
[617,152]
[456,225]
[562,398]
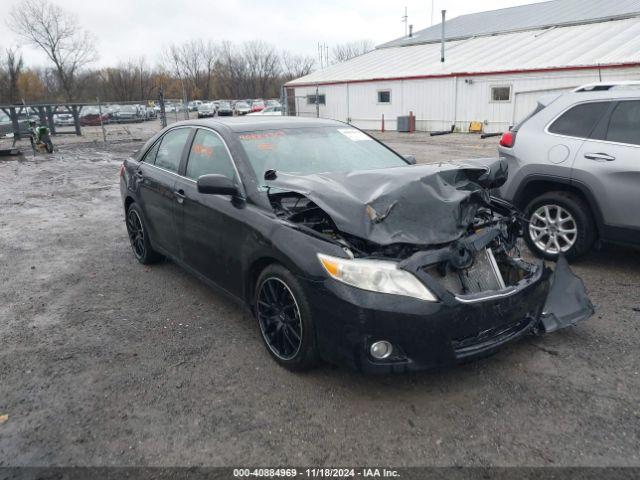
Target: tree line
[197,69]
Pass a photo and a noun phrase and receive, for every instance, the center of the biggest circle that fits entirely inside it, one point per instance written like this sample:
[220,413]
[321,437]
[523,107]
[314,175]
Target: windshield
[128,108]
[242,105]
[314,150]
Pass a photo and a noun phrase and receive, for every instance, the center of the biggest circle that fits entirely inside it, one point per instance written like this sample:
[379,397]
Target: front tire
[285,320]
[139,237]
[559,223]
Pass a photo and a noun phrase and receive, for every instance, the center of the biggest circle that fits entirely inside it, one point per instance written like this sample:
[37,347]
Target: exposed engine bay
[485,258]
[439,219]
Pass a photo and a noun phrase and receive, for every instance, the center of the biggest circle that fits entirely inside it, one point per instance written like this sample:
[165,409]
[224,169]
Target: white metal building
[496,65]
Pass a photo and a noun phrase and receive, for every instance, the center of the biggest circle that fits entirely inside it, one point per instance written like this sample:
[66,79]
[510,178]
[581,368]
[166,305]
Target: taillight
[122,170]
[508,139]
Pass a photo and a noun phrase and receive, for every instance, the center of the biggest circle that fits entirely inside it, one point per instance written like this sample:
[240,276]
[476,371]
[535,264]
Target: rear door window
[579,121]
[170,150]
[624,124]
[209,155]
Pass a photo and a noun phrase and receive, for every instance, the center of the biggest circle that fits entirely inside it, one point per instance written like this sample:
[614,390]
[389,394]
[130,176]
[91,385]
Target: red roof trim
[468,74]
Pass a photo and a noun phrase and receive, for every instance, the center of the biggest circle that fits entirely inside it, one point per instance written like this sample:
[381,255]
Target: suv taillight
[508,139]
[122,170]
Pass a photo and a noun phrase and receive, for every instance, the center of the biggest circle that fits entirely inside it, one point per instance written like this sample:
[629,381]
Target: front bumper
[429,335]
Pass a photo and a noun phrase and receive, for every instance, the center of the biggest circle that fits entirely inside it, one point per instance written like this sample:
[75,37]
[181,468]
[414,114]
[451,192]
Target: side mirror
[411,159]
[216,185]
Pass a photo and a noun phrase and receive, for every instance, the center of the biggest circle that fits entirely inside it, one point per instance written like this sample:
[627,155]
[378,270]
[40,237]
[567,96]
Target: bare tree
[296,66]
[262,65]
[231,71]
[349,50]
[13,64]
[58,34]
[209,54]
[175,63]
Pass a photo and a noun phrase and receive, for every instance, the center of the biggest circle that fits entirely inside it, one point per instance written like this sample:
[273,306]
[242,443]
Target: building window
[501,94]
[384,96]
[311,99]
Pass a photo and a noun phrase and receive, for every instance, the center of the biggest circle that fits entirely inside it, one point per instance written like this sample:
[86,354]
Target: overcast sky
[129,29]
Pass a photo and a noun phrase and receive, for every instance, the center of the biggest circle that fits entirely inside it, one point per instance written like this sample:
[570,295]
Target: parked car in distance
[151,113]
[194,104]
[269,111]
[224,108]
[63,119]
[421,271]
[129,113]
[574,169]
[257,106]
[90,116]
[206,110]
[6,125]
[272,103]
[242,108]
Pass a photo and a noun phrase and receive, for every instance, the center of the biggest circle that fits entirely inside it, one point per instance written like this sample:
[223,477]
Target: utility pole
[141,90]
[432,2]
[442,40]
[404,19]
[323,55]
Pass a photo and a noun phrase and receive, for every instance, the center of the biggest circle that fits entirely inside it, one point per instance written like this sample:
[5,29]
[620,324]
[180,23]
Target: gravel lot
[107,362]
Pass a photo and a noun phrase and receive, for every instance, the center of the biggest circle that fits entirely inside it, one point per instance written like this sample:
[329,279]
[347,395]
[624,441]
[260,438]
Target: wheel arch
[127,202]
[536,185]
[253,272]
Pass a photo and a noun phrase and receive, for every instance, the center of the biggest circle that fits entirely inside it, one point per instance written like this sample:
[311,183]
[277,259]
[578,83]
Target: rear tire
[139,236]
[285,320]
[559,222]
[48,143]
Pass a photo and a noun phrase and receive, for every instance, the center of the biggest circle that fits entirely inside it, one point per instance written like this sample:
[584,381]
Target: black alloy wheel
[139,237]
[280,319]
[286,319]
[136,233]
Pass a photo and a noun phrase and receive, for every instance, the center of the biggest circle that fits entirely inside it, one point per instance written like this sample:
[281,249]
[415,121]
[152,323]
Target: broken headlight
[376,276]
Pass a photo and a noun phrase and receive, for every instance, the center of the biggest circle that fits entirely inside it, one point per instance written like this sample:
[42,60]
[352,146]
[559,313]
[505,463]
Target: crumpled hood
[420,204]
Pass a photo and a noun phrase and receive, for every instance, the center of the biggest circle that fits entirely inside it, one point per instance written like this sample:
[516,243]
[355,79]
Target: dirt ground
[106,362]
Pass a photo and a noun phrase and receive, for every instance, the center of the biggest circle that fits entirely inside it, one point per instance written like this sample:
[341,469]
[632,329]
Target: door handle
[599,156]
[180,196]
[139,175]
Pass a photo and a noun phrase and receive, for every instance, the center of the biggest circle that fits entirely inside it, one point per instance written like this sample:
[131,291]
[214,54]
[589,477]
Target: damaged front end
[440,223]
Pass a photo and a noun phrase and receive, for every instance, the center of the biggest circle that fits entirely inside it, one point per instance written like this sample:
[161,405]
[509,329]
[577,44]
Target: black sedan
[342,249]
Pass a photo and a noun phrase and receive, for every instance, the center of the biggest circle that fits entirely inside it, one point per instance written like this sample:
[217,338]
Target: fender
[581,187]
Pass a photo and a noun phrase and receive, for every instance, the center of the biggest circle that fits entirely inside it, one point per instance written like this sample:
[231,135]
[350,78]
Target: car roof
[244,124]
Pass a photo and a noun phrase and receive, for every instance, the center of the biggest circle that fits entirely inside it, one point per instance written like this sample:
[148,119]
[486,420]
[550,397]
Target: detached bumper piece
[567,302]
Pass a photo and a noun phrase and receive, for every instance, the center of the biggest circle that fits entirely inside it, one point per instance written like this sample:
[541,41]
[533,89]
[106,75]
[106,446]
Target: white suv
[574,169]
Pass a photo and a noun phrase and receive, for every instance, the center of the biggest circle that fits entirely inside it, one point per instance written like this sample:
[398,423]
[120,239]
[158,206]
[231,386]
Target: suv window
[209,155]
[170,151]
[624,125]
[580,120]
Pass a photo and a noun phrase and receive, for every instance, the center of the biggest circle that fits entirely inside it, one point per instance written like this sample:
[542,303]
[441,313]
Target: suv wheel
[285,321]
[559,222]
